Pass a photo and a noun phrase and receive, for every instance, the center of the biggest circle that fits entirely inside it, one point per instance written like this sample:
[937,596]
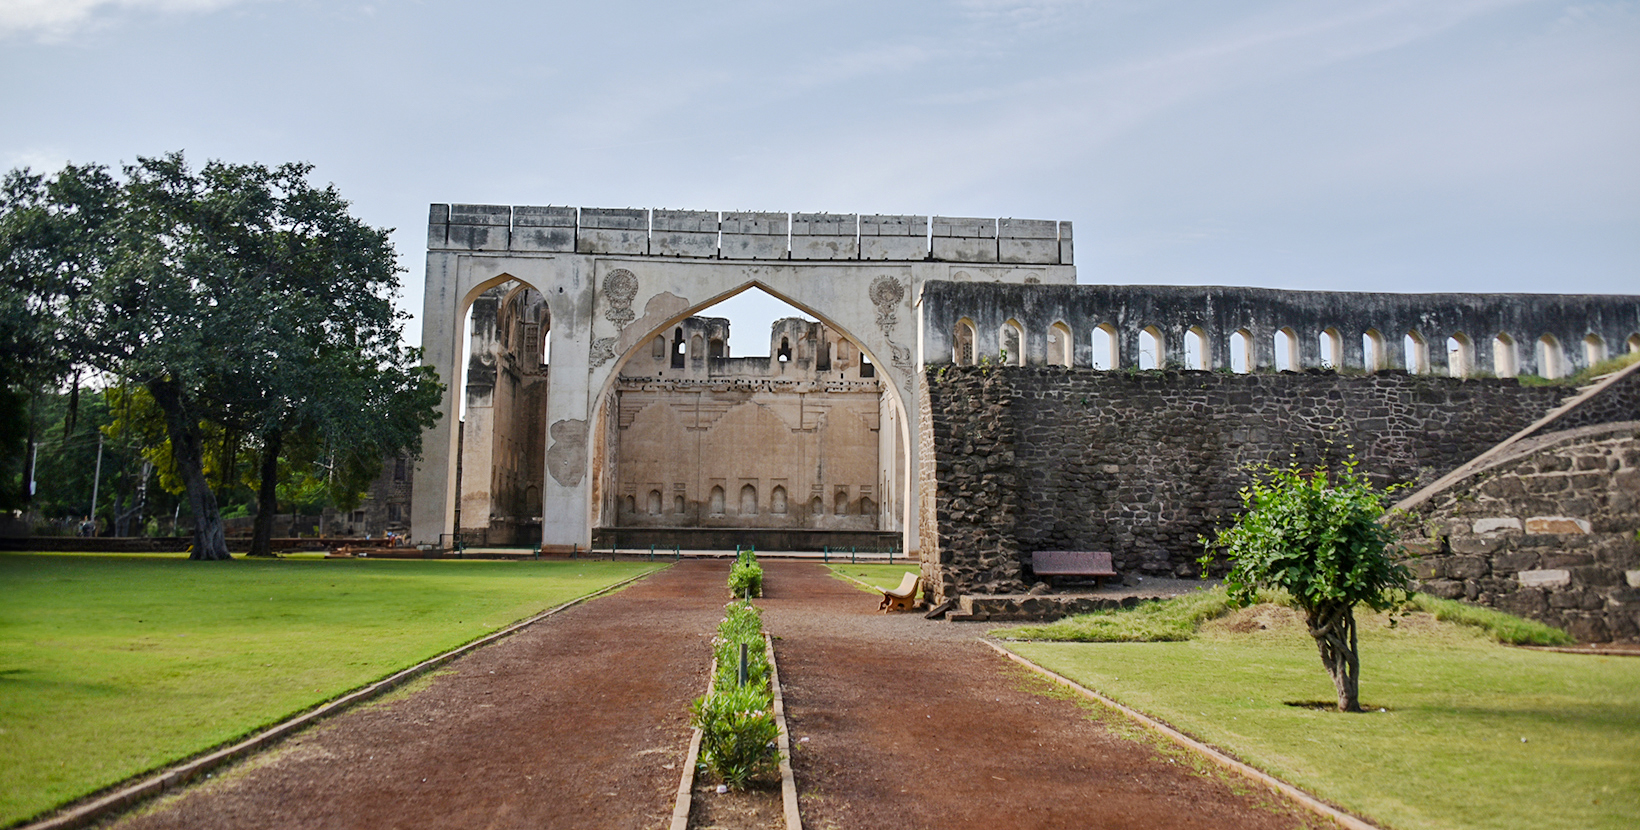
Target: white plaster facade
[612,280]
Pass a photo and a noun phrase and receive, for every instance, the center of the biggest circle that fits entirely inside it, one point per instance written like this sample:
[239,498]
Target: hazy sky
[1464,145]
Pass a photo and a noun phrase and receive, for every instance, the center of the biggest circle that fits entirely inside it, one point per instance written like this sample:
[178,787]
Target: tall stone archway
[613,279]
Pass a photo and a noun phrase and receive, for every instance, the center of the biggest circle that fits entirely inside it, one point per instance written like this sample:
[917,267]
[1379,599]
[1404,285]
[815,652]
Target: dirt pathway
[578,721]
[914,724]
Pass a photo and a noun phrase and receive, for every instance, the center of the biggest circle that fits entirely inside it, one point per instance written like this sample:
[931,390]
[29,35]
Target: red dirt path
[581,721]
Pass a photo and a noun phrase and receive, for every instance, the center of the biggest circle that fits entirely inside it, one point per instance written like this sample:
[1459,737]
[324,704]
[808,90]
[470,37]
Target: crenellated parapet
[1250,329]
[697,234]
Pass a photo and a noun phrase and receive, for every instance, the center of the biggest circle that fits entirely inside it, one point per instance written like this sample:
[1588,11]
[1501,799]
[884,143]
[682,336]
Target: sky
[1369,145]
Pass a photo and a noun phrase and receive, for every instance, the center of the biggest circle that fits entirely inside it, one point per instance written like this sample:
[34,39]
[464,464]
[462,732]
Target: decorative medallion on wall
[886,293]
[620,286]
[603,350]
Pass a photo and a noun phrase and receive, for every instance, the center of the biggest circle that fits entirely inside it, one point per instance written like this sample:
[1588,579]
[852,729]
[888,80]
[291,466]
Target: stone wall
[1141,464]
[1549,534]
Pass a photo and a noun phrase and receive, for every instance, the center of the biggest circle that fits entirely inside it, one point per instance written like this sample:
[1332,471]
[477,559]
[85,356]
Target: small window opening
[1332,349]
[715,348]
[1372,350]
[1104,347]
[677,349]
[1551,359]
[1059,345]
[867,368]
[1195,348]
[1286,343]
[1241,351]
[1505,364]
[962,344]
[1594,349]
[822,357]
[1151,348]
[785,352]
[1416,353]
[1460,356]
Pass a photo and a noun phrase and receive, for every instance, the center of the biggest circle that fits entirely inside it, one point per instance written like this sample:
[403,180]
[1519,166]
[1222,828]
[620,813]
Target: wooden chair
[903,598]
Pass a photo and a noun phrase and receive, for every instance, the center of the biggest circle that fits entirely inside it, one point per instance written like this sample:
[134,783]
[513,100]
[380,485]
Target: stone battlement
[698,234]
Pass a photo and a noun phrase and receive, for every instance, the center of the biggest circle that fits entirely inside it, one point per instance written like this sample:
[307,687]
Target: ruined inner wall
[1019,459]
[704,439]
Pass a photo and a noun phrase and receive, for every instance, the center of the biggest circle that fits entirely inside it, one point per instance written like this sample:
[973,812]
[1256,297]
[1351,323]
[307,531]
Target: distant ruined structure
[960,391]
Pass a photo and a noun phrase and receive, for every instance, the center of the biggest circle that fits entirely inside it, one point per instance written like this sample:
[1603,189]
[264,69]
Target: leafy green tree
[1316,535]
[240,298]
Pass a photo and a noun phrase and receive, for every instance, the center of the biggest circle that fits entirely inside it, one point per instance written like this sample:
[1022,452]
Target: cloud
[53,19]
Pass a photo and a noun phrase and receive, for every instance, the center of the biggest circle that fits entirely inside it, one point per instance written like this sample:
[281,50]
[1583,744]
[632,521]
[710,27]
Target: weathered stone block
[1424,568]
[1557,524]
[608,241]
[1466,567]
[1508,562]
[1547,578]
[1027,241]
[1494,525]
[1443,588]
[1475,544]
[964,249]
[1633,578]
[613,231]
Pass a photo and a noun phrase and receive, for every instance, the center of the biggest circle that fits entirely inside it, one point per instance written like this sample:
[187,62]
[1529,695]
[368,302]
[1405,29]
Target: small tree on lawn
[1316,535]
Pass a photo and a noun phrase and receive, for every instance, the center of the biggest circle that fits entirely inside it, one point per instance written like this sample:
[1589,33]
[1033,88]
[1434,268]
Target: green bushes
[736,721]
[746,577]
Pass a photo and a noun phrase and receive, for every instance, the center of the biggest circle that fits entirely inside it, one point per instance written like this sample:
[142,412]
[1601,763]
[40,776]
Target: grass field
[882,576]
[113,664]
[1476,734]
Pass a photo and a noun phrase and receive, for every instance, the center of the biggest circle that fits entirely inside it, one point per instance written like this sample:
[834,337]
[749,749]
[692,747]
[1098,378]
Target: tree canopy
[1315,534]
[239,297]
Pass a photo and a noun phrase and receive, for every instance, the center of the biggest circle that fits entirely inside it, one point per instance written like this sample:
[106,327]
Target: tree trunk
[1333,627]
[267,498]
[187,449]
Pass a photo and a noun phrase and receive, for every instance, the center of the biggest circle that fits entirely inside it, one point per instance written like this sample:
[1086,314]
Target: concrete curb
[686,786]
[155,783]
[788,782]
[1306,800]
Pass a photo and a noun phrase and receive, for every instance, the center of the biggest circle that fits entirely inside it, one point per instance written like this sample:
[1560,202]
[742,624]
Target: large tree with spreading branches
[238,295]
[1315,534]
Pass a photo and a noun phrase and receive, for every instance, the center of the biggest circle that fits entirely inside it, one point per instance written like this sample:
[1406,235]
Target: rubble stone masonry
[1143,463]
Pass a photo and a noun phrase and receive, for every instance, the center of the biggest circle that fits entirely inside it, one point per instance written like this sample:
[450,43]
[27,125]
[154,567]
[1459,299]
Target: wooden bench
[1082,563]
[903,598]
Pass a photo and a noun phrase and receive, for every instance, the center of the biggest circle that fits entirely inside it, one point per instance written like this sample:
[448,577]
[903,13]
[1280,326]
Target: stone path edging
[788,782]
[686,786]
[1303,798]
[168,778]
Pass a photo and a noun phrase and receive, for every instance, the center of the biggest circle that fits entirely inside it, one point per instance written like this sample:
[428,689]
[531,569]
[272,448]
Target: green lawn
[1477,735]
[882,576]
[114,664]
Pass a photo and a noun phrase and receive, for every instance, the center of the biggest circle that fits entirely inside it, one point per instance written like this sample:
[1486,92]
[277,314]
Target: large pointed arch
[635,341]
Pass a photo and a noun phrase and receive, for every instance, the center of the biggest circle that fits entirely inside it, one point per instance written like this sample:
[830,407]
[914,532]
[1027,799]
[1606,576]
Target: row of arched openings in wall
[716,505]
[1549,355]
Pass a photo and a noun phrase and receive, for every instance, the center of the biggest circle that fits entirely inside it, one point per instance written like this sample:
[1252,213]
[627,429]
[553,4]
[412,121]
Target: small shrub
[738,732]
[1505,628]
[746,579]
